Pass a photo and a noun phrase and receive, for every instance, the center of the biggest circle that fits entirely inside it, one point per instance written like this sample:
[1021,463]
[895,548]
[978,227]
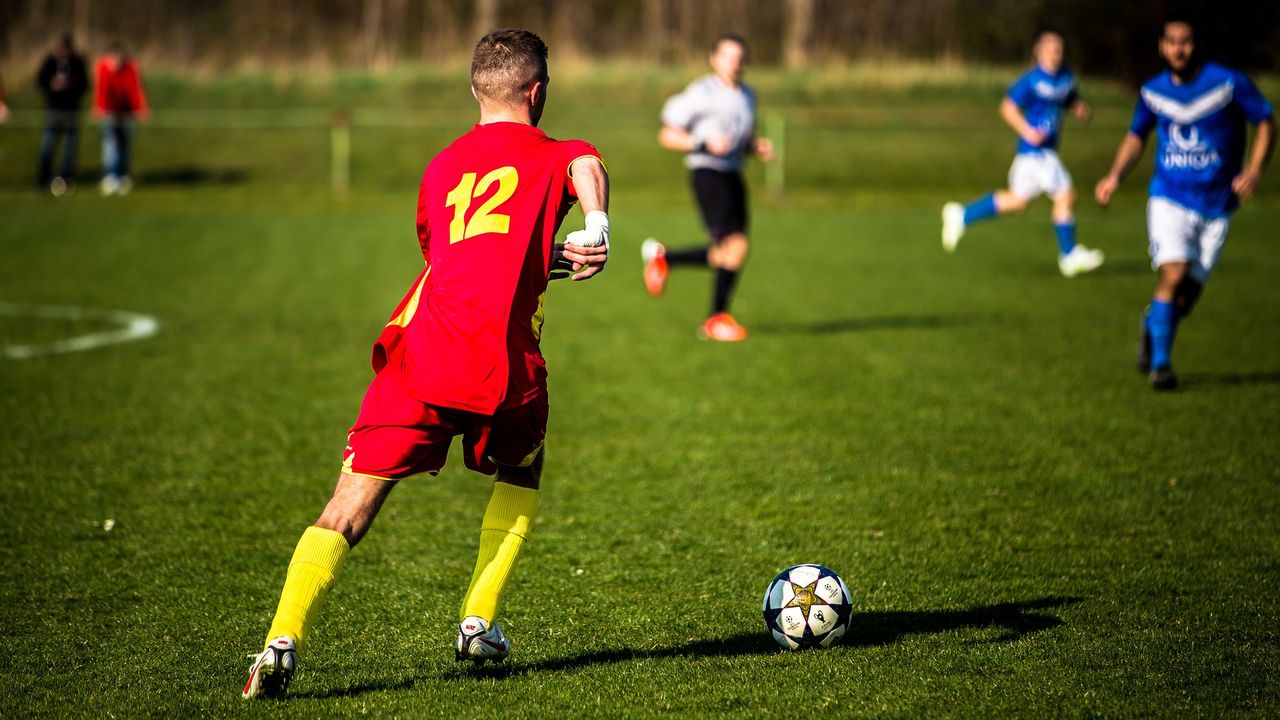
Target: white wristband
[598,220]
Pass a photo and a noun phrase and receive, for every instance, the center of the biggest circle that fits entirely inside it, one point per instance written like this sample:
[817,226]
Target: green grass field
[1027,529]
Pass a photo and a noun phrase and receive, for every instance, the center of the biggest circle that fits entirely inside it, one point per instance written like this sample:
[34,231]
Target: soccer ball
[807,606]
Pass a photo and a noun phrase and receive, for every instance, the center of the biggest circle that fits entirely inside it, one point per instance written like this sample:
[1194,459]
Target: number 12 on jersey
[485,220]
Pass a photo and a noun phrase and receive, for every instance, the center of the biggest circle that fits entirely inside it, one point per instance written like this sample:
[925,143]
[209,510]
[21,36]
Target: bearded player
[460,355]
[1199,111]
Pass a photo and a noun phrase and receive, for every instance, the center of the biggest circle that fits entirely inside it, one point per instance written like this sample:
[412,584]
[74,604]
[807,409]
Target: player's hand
[764,149]
[1105,189]
[4,112]
[1082,111]
[585,251]
[1245,184]
[1034,137]
[719,145]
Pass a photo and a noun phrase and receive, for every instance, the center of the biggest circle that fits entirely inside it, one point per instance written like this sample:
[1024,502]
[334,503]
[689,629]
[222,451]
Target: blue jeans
[64,126]
[117,134]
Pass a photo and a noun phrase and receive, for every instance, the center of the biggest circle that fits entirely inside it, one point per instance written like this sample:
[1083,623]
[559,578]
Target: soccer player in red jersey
[460,354]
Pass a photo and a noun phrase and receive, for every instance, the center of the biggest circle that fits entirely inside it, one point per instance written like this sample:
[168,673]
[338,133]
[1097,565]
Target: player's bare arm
[681,140]
[1246,183]
[1012,115]
[588,249]
[1126,157]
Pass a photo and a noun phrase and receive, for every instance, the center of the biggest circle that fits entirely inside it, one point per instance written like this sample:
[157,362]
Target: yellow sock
[505,529]
[312,571]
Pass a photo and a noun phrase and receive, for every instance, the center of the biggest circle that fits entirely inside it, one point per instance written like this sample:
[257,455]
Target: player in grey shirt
[713,122]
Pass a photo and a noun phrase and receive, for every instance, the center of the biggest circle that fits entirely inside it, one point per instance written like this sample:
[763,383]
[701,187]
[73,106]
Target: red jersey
[119,89]
[466,335]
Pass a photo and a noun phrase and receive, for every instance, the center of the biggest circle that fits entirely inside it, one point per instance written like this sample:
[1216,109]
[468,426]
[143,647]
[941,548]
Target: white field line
[132,326]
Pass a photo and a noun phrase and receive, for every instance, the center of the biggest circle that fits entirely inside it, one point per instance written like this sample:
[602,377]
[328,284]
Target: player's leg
[319,555]
[728,256]
[1212,239]
[394,436]
[1174,236]
[1073,257]
[956,218]
[317,560]
[513,444]
[726,214]
[1162,324]
[503,532]
[709,195]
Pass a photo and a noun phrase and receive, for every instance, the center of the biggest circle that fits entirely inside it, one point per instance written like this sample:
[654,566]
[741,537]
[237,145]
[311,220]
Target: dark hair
[1179,19]
[506,62]
[733,38]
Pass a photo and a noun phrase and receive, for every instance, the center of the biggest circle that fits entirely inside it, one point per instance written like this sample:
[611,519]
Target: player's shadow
[1230,379]
[1014,620]
[190,175]
[863,324]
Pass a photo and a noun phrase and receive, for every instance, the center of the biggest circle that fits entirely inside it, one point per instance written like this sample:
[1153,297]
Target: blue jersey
[1042,97]
[1200,135]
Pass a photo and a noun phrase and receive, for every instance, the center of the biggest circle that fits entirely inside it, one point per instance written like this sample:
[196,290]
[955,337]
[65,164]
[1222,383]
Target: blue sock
[1161,322]
[980,209]
[1066,236]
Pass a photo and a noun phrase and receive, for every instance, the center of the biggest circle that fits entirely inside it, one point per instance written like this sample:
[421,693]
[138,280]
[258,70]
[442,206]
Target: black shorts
[722,198]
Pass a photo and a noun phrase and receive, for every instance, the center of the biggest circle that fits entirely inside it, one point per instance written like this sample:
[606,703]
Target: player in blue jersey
[1033,107]
[1199,112]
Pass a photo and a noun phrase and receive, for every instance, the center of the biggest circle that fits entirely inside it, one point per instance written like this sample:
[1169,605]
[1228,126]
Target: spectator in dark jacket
[63,80]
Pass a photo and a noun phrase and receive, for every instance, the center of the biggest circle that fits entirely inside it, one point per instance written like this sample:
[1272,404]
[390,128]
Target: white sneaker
[109,185]
[479,642]
[58,186]
[952,225]
[125,185]
[1080,260]
[272,670]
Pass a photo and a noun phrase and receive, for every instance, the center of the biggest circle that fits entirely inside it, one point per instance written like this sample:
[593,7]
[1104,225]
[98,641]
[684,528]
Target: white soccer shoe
[1080,260]
[272,670]
[478,642]
[952,225]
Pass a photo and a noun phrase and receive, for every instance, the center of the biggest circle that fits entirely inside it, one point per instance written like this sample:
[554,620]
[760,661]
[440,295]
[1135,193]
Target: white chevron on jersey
[1049,91]
[1186,113]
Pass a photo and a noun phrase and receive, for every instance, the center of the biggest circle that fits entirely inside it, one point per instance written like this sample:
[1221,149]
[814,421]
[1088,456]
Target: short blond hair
[505,63]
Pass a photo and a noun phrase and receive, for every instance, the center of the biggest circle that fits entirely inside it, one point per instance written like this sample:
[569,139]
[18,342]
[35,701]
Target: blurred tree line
[1104,37]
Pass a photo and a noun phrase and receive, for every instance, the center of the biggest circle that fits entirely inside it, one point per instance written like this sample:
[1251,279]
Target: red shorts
[396,436]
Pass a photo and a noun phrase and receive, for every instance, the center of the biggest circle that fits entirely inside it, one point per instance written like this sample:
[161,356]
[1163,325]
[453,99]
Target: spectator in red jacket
[118,103]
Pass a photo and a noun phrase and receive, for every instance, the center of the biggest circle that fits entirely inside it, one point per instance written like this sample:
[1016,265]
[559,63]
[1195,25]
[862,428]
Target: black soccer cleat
[1162,378]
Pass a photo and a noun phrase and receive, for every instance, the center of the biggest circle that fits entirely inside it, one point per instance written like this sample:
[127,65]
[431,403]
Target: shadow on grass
[869,629]
[190,175]
[863,324]
[1230,379]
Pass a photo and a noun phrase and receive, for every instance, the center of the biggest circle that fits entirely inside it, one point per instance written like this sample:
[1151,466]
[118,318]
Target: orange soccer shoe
[721,327]
[654,255]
